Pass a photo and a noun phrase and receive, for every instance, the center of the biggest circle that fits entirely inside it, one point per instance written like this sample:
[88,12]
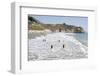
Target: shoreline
[47,30]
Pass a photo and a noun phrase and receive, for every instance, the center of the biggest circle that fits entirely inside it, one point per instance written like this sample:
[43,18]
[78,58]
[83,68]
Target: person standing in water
[51,46]
[63,46]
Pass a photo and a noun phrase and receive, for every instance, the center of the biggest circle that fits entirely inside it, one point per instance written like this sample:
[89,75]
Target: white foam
[57,40]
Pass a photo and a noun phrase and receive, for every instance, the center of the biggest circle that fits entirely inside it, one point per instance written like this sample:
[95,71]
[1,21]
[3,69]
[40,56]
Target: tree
[30,18]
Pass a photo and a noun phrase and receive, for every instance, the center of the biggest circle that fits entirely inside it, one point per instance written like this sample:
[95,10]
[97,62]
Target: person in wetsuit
[63,46]
[51,46]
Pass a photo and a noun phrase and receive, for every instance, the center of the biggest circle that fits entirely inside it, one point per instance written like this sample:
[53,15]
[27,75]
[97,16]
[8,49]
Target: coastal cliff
[34,24]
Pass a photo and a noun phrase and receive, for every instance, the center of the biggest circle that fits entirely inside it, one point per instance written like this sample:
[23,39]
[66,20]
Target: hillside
[34,24]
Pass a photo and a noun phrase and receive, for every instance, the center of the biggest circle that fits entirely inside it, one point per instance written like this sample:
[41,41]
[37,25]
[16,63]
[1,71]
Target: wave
[56,46]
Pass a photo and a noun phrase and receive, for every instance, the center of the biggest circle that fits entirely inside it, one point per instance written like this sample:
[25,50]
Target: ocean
[81,37]
[64,46]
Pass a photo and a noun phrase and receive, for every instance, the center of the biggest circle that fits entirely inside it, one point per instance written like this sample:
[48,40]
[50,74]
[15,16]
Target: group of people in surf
[63,46]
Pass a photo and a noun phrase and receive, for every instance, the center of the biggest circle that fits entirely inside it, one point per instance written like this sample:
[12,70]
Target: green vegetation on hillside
[37,27]
[34,24]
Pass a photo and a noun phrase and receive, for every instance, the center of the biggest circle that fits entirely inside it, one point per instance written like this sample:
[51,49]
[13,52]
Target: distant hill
[34,24]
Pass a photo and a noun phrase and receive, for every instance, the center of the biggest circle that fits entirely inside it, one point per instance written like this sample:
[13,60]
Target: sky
[71,20]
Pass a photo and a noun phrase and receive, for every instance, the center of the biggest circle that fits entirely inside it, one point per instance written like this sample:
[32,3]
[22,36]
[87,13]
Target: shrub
[37,27]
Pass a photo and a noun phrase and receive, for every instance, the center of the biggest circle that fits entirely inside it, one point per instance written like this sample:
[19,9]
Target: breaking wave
[56,46]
